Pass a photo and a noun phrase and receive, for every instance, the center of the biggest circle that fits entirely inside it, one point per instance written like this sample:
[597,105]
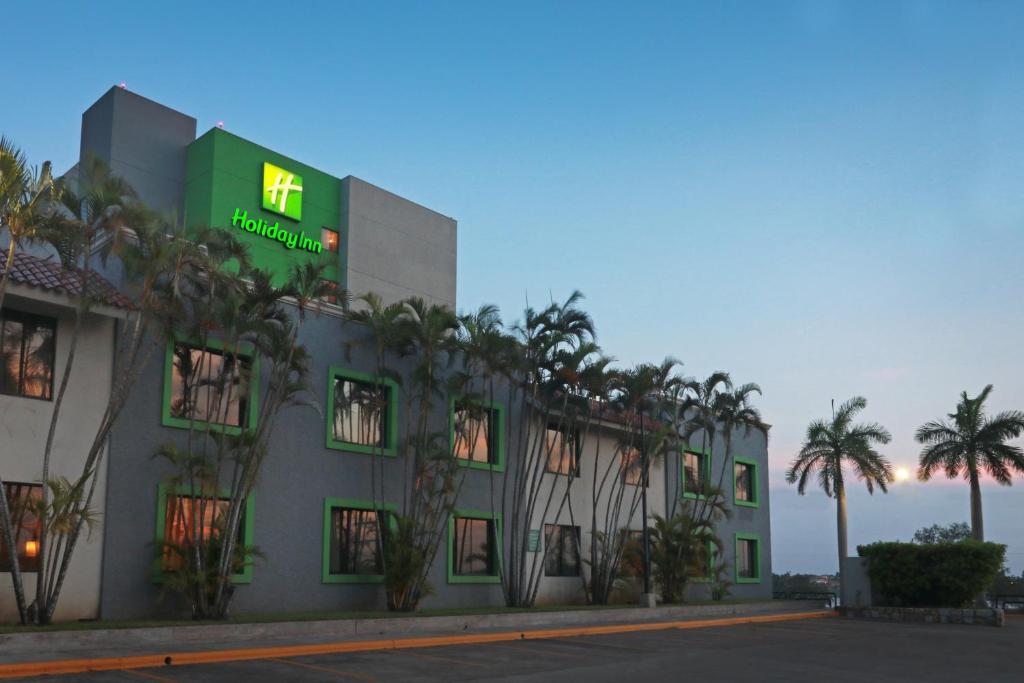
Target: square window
[356,541]
[27,349]
[23,501]
[561,550]
[563,452]
[362,411]
[188,519]
[329,239]
[473,547]
[208,386]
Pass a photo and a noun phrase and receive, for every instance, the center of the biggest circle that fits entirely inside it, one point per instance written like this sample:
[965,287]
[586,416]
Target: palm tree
[23,194]
[828,445]
[969,443]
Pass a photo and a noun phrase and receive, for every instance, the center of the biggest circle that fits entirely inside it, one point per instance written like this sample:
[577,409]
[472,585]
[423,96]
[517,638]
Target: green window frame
[497,445]
[495,518]
[705,456]
[330,504]
[756,540]
[390,448]
[246,352]
[754,488]
[163,490]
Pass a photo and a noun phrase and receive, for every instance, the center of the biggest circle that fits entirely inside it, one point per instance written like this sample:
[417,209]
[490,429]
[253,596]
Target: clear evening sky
[822,197]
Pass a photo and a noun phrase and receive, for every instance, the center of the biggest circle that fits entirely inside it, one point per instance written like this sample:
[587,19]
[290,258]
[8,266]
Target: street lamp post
[647,599]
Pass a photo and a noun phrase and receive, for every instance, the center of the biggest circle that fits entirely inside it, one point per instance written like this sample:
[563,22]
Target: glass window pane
[181,515]
[744,482]
[695,472]
[10,356]
[561,550]
[354,546]
[22,501]
[360,412]
[329,240]
[473,432]
[632,466]
[746,558]
[562,455]
[472,547]
[209,386]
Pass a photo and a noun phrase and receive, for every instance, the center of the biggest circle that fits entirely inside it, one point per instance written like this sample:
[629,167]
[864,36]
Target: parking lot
[814,650]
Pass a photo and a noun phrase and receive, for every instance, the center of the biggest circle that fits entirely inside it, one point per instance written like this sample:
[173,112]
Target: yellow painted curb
[74,666]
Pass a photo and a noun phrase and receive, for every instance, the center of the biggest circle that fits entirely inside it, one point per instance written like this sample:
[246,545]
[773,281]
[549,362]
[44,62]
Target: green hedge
[931,575]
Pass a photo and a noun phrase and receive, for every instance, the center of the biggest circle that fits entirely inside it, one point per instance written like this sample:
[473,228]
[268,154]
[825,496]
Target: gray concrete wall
[397,248]
[743,520]
[856,584]
[298,475]
[145,143]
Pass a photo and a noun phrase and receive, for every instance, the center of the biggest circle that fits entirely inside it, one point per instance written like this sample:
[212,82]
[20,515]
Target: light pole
[648,599]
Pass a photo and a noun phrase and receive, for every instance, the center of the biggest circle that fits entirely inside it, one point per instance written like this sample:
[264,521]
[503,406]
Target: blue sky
[821,197]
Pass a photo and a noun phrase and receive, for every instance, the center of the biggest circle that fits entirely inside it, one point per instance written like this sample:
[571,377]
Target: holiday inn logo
[282,191]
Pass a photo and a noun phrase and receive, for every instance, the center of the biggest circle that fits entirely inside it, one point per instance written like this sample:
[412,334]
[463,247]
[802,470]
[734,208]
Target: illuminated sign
[289,239]
[282,191]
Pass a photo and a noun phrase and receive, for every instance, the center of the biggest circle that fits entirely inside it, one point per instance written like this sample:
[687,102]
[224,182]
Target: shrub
[933,575]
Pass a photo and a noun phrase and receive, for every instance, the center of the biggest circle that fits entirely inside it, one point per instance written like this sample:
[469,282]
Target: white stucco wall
[578,510]
[23,426]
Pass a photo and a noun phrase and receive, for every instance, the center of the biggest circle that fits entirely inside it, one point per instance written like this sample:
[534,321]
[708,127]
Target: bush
[933,575]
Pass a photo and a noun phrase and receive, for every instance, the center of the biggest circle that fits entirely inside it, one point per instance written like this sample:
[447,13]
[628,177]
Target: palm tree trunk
[841,523]
[977,521]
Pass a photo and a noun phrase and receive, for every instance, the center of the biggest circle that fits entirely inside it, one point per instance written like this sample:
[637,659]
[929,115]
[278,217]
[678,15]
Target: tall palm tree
[828,445]
[23,196]
[969,443]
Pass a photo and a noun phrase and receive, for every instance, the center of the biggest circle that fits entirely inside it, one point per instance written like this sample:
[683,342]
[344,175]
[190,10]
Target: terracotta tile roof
[51,275]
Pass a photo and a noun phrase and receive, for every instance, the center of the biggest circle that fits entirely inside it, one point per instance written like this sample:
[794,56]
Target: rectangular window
[210,386]
[561,550]
[632,467]
[475,433]
[745,483]
[354,548]
[563,456]
[473,547]
[182,514]
[695,473]
[748,560]
[27,349]
[22,501]
[361,412]
[329,240]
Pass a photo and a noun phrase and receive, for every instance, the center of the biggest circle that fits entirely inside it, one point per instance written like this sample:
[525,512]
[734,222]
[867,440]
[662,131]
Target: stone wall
[927,615]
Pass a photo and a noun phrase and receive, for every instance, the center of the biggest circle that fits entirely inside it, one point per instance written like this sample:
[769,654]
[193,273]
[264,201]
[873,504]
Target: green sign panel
[282,191]
[533,541]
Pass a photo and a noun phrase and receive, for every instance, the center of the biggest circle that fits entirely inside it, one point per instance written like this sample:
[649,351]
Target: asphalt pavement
[813,650]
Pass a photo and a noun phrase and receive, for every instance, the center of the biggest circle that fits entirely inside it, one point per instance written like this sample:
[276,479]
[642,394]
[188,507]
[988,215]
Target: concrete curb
[207,634]
[72,666]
